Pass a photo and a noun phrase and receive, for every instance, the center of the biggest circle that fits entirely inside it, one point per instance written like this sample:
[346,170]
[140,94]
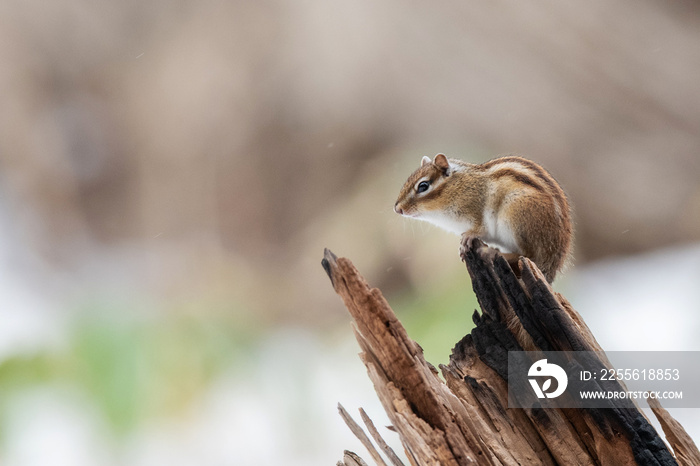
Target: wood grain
[465,419]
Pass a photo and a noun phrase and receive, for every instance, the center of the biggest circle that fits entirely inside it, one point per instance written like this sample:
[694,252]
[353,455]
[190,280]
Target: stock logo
[542,370]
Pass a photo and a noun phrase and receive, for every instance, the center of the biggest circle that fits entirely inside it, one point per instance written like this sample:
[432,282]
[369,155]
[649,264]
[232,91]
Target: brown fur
[521,197]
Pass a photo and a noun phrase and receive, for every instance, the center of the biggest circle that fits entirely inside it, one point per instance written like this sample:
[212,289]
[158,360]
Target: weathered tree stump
[465,419]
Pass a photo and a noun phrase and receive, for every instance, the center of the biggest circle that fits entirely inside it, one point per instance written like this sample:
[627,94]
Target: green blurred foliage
[21,371]
[132,368]
[438,318]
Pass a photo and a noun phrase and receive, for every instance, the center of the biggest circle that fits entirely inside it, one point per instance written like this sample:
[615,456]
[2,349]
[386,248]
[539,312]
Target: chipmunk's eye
[422,187]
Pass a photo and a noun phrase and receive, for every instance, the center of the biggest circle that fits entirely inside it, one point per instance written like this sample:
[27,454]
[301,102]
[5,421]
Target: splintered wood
[465,419]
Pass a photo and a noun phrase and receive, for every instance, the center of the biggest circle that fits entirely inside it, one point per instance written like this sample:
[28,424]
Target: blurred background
[170,173]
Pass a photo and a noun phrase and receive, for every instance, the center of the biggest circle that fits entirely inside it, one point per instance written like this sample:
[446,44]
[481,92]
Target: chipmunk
[510,203]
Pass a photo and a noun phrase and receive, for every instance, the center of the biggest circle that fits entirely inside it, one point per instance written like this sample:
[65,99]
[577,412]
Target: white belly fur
[446,222]
[499,234]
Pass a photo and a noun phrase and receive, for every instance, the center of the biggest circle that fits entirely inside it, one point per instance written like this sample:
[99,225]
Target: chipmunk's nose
[398,209]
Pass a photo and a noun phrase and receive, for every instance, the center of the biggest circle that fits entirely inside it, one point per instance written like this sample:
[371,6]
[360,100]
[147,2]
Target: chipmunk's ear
[442,163]
[425,160]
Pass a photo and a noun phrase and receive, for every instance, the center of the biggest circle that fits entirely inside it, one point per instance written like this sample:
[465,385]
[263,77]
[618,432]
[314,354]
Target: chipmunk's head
[421,194]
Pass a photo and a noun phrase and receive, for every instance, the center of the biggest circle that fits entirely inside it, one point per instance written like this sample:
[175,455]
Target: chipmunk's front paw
[468,243]
[464,245]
